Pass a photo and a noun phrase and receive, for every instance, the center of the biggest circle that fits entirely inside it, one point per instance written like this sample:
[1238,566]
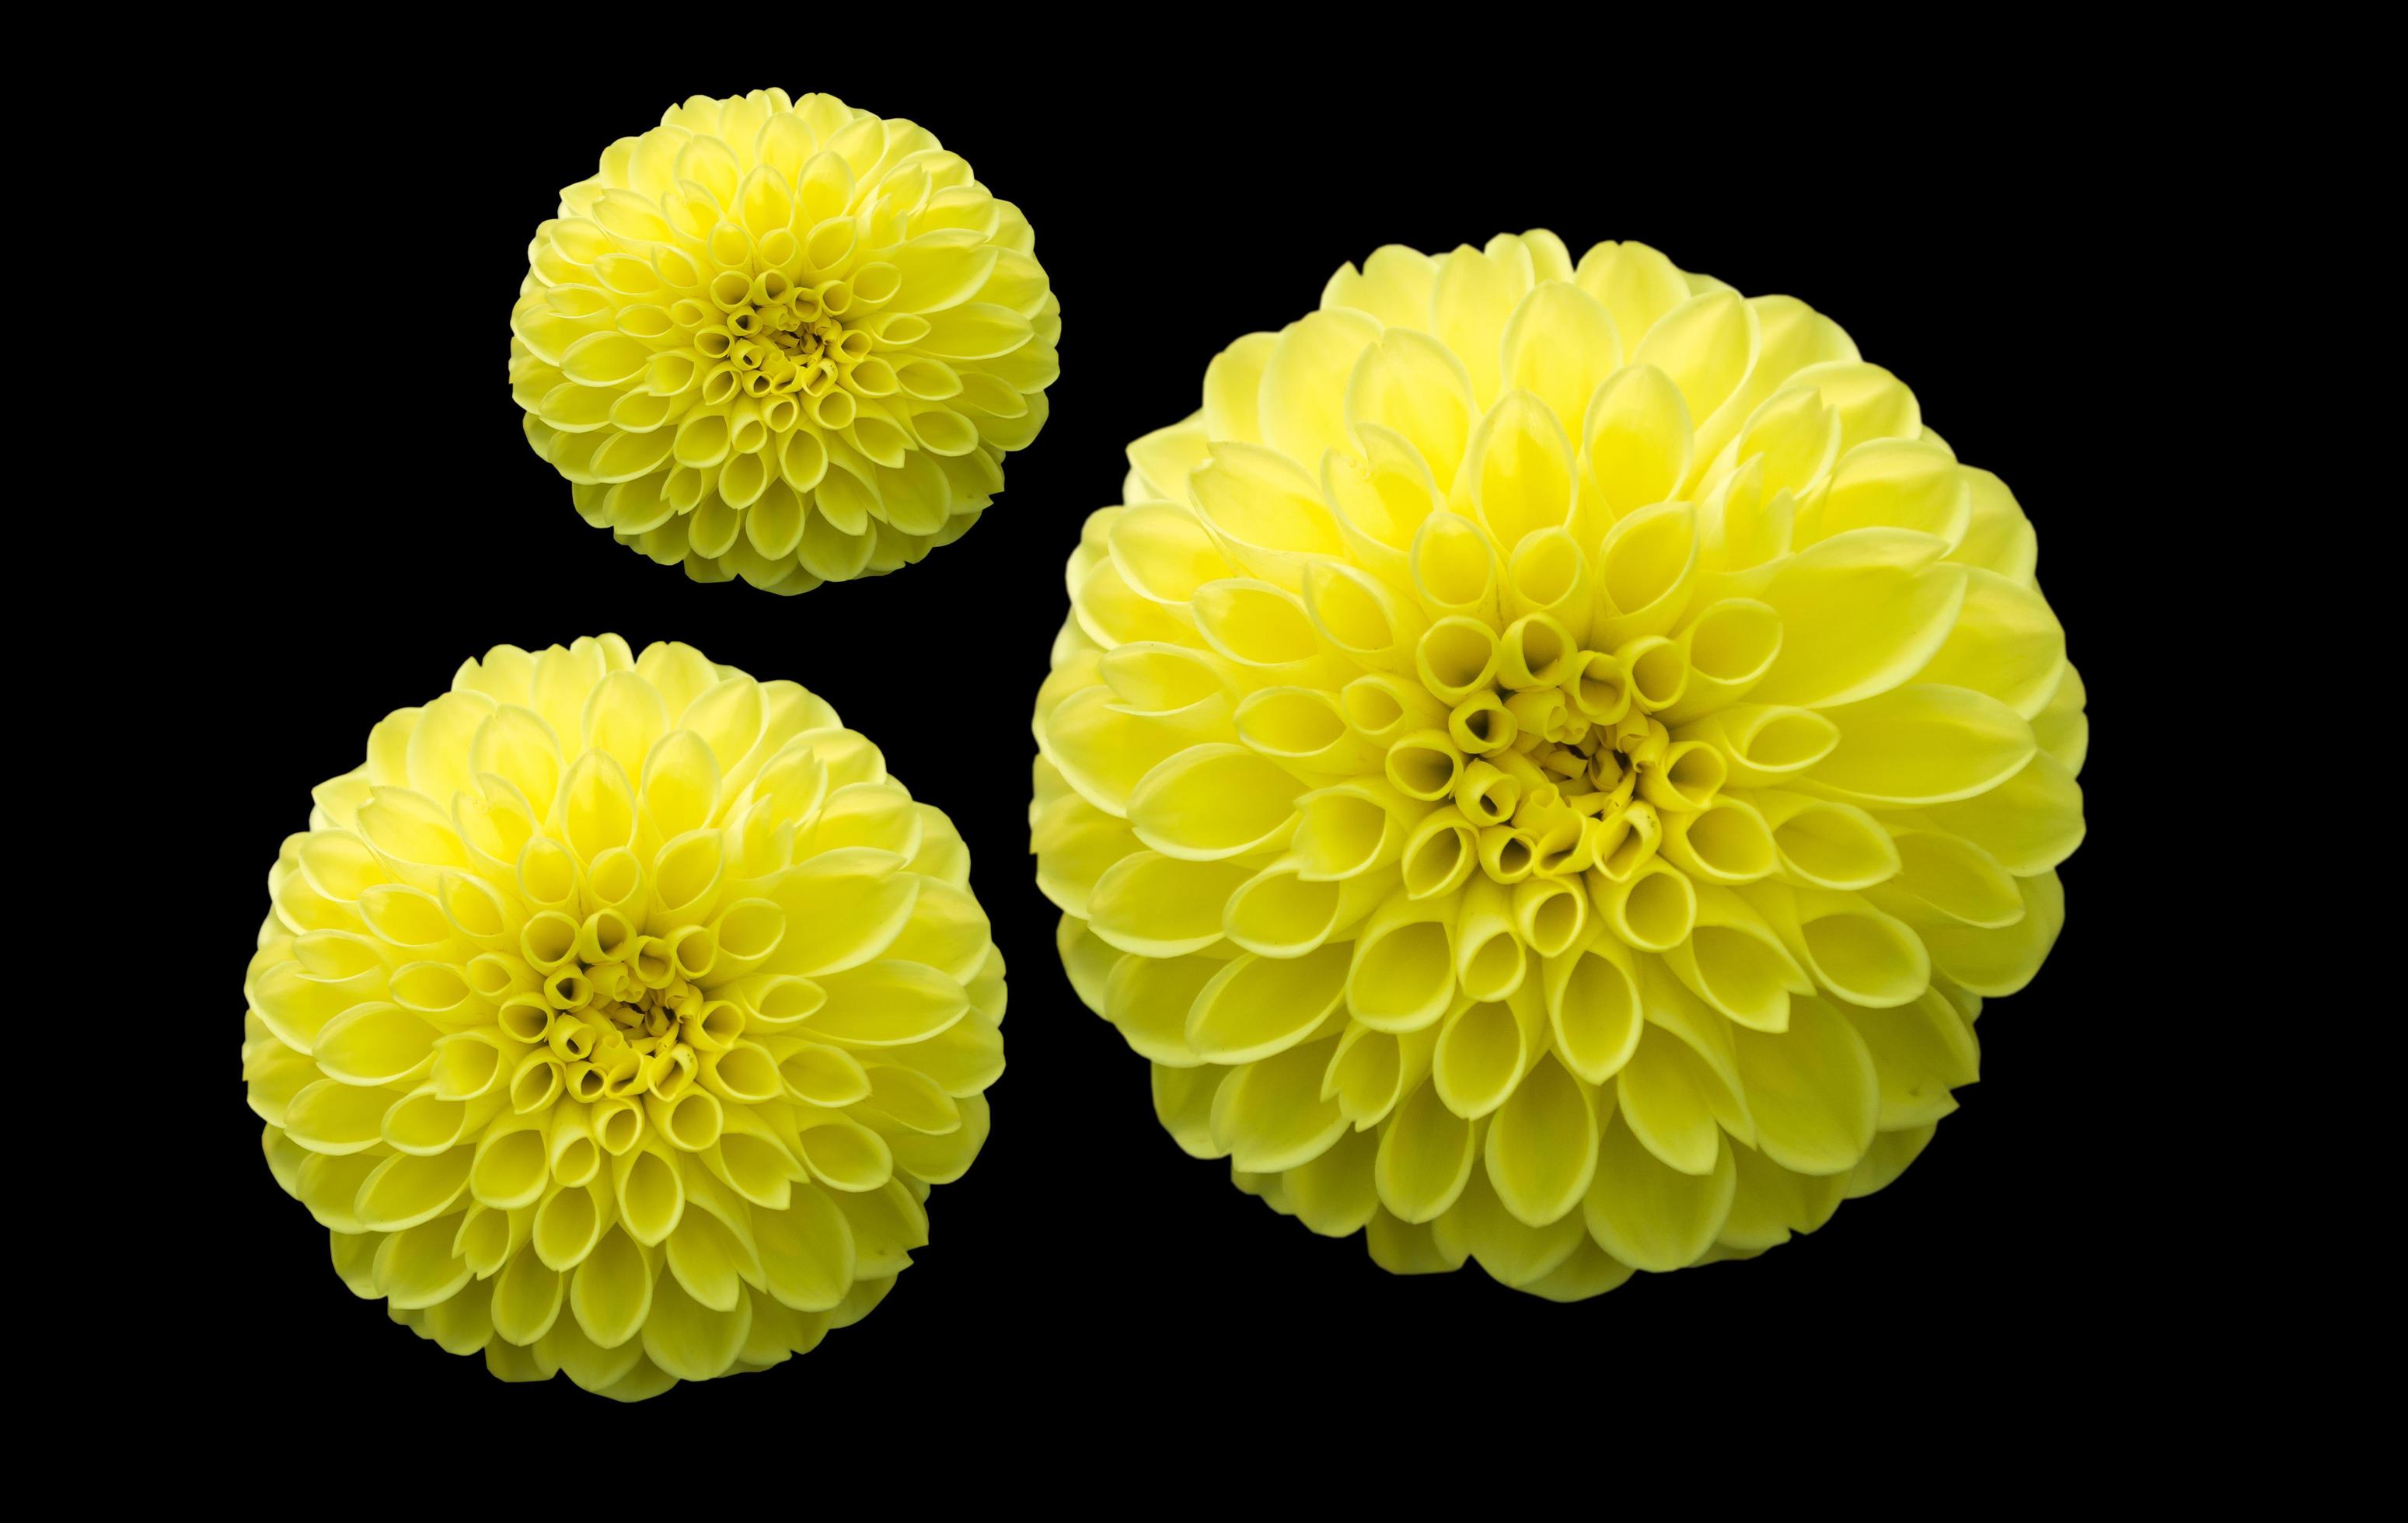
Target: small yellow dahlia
[784,340]
[616,1015]
[1549,763]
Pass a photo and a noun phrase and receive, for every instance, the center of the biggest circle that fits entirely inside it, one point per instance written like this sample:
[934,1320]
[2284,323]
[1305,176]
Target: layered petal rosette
[784,340]
[1549,762]
[616,1015]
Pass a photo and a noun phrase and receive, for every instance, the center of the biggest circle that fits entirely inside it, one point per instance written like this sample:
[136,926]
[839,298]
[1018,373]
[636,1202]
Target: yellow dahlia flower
[617,1013]
[1549,763]
[784,340]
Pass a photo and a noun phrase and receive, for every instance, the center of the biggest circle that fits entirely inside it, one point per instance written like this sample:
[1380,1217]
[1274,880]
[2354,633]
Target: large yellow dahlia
[784,340]
[1549,763]
[616,1015]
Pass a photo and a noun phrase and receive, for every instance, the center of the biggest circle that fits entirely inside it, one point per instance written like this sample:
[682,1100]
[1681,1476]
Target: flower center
[1554,767]
[793,345]
[633,1027]
[1543,788]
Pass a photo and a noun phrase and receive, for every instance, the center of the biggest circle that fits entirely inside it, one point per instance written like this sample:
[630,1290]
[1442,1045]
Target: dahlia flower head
[1549,762]
[784,340]
[616,1015]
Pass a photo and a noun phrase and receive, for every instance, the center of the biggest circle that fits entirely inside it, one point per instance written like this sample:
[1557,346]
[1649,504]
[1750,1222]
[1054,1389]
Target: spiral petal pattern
[616,1015]
[1548,762]
[784,340]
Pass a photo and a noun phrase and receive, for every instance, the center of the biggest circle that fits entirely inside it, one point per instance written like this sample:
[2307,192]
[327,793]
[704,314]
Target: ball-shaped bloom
[616,1015]
[1549,762]
[784,340]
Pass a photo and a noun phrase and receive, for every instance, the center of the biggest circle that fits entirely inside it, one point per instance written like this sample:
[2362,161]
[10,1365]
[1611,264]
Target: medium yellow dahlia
[784,340]
[1549,763]
[616,1015]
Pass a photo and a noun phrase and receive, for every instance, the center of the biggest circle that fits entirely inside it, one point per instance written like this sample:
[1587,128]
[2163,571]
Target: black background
[1084,1249]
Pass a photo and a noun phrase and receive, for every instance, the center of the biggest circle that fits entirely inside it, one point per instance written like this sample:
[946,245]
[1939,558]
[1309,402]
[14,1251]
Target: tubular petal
[1651,1217]
[1512,1252]
[1271,1114]
[1813,1095]
[1255,1007]
[1424,1157]
[1542,1146]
